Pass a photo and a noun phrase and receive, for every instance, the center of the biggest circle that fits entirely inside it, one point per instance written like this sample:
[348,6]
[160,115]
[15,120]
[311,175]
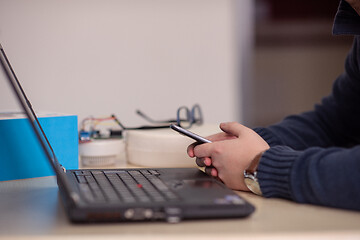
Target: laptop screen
[34,122]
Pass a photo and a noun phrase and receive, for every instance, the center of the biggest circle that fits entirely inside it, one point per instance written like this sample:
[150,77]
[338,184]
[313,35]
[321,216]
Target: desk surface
[32,209]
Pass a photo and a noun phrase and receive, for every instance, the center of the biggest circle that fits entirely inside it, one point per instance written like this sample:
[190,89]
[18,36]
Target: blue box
[21,155]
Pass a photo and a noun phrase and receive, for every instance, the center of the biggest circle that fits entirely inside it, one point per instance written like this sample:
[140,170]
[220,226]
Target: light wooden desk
[31,209]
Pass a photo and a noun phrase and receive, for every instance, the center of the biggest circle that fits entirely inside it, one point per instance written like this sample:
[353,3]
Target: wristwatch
[250,173]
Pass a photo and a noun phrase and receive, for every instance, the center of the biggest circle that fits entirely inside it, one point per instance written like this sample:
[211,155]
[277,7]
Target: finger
[190,150]
[203,150]
[200,162]
[211,171]
[220,137]
[207,161]
[232,128]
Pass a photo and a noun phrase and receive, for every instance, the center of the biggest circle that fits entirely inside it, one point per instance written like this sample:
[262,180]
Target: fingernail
[207,162]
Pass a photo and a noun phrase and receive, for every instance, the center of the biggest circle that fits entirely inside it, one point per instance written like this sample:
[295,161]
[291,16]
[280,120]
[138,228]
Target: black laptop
[165,194]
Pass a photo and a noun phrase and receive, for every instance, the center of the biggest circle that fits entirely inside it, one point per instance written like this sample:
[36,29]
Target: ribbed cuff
[274,171]
[268,136]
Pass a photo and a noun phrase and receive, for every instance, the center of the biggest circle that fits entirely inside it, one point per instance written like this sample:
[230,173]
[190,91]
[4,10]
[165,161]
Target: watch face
[253,186]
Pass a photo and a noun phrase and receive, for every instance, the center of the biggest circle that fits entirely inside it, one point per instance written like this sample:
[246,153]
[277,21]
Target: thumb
[232,128]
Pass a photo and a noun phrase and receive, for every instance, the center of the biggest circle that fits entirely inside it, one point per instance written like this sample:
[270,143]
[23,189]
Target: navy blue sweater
[315,157]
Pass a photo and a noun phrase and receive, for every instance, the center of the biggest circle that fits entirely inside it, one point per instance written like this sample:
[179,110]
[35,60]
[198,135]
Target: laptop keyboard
[128,186]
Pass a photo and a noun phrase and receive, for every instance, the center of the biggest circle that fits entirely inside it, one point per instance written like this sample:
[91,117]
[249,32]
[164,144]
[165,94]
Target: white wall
[97,57]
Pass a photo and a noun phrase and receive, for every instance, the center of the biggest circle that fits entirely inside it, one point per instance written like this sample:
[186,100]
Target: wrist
[250,175]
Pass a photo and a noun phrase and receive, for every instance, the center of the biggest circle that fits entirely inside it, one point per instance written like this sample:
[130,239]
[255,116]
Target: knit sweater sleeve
[321,176]
[315,157]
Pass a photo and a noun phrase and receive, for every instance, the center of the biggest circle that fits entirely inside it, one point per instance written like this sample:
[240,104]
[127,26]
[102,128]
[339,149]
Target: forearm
[298,132]
[319,176]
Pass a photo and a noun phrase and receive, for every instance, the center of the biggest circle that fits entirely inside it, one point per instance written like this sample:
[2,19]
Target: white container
[101,152]
[162,147]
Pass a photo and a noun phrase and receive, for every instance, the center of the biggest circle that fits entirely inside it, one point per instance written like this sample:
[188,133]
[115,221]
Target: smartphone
[189,134]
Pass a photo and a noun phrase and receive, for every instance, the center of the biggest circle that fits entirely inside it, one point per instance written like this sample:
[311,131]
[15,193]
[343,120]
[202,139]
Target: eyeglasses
[185,118]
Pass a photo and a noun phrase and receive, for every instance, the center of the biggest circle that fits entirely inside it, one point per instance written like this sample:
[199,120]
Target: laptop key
[82,173]
[86,192]
[134,187]
[81,179]
[154,172]
[120,187]
[163,188]
[105,186]
[89,178]
[98,194]
[147,186]
[145,172]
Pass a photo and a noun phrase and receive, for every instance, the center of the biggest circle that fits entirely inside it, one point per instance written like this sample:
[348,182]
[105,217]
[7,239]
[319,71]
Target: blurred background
[241,60]
[296,59]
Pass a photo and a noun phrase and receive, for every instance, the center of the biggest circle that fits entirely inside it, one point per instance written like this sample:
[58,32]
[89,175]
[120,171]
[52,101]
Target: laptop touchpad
[202,183]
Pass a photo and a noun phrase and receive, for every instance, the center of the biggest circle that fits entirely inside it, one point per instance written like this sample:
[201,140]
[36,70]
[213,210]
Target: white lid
[165,140]
[163,147]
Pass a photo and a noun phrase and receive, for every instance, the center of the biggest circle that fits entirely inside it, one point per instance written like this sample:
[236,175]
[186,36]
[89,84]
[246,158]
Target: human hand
[229,154]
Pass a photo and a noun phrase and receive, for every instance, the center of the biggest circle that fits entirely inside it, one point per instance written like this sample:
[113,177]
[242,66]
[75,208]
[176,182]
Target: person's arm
[328,177]
[302,163]
[335,122]
[321,176]
[311,168]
